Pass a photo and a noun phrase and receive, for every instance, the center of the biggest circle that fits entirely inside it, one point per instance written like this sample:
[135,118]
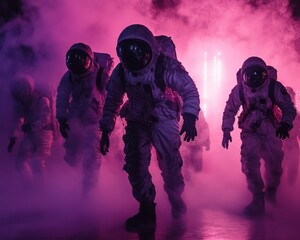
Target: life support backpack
[166,47]
[106,64]
[276,111]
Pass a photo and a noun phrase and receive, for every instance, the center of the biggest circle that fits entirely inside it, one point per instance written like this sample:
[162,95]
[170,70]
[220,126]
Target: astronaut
[261,134]
[152,119]
[193,152]
[79,106]
[32,117]
[291,146]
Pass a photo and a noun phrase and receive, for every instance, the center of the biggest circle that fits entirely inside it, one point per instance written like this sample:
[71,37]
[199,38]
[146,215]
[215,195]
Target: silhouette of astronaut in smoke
[192,153]
[79,105]
[291,146]
[261,134]
[34,117]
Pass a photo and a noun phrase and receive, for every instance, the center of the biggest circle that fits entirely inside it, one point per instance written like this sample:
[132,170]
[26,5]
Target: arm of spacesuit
[16,123]
[284,102]
[177,78]
[113,101]
[63,96]
[231,108]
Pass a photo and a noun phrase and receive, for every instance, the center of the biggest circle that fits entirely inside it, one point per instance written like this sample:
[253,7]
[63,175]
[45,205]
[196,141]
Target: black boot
[146,217]
[257,207]
[178,208]
[270,194]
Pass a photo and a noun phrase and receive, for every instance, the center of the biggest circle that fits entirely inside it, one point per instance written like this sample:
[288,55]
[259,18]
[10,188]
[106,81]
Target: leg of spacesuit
[43,142]
[22,162]
[291,161]
[250,159]
[273,156]
[73,144]
[197,158]
[166,140]
[137,157]
[292,171]
[186,170]
[91,158]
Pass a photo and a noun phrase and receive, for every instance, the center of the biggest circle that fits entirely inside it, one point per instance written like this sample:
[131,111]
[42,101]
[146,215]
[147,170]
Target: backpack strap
[272,90]
[122,75]
[70,77]
[159,73]
[241,94]
[100,81]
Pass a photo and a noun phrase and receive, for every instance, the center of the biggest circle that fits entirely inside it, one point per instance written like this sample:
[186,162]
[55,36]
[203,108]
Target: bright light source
[211,80]
[205,71]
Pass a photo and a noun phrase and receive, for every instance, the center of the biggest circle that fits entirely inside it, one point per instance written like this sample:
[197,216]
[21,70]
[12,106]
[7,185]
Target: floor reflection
[199,224]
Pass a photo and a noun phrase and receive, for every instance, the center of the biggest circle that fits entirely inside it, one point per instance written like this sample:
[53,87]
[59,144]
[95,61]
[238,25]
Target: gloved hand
[226,138]
[104,142]
[11,144]
[63,127]
[207,147]
[283,131]
[189,127]
[26,128]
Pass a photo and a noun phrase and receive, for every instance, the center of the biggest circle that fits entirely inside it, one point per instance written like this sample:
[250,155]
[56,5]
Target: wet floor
[213,213]
[215,198]
[56,224]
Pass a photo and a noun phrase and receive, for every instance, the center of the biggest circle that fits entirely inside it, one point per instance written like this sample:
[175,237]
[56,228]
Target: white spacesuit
[152,119]
[261,135]
[291,146]
[79,105]
[32,116]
